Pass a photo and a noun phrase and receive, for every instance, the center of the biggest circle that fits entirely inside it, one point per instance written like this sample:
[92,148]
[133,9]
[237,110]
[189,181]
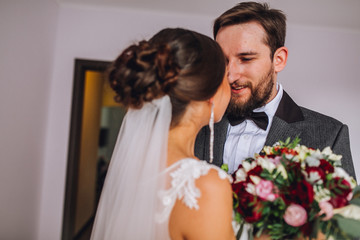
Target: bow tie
[259,118]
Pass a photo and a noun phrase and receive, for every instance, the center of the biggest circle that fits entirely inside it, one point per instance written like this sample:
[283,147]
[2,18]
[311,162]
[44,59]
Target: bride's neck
[182,137]
[181,142]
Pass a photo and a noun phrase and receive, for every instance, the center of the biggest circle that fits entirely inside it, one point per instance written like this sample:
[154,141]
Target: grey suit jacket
[314,129]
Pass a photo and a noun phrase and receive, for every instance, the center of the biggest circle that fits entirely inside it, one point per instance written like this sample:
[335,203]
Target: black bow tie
[259,118]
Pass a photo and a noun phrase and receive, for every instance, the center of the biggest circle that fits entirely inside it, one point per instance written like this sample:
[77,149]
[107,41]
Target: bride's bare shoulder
[215,181]
[212,219]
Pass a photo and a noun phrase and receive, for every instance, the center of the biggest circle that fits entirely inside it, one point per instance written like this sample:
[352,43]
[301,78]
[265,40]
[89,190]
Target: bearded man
[260,112]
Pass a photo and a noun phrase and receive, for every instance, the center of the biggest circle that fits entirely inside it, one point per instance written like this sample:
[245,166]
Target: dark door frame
[81,66]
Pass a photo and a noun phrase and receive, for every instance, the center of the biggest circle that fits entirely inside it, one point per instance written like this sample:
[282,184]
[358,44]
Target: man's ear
[280,58]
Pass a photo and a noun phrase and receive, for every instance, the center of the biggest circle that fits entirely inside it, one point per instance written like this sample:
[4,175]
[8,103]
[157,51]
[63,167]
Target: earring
[211,126]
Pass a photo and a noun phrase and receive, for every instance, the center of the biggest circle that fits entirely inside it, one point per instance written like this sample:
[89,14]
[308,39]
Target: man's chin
[239,101]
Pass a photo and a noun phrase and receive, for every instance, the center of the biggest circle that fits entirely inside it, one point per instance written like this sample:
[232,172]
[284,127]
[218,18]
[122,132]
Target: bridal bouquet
[289,191]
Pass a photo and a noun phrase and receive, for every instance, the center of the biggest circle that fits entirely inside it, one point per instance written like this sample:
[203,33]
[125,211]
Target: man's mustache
[238,85]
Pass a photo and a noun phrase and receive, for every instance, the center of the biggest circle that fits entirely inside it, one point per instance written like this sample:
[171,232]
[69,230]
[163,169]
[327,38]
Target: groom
[260,112]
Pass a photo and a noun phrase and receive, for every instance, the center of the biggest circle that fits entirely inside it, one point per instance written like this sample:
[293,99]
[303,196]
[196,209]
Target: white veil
[129,200]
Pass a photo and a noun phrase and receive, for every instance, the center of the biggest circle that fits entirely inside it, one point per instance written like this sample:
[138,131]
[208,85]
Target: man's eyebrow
[246,54]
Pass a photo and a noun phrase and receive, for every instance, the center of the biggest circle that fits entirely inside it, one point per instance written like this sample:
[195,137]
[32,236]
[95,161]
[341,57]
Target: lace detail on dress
[183,185]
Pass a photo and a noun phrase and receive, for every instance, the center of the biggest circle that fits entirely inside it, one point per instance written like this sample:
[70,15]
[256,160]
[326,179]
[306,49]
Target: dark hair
[183,64]
[272,20]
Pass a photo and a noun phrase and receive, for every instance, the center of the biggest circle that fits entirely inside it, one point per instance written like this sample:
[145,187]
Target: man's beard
[259,97]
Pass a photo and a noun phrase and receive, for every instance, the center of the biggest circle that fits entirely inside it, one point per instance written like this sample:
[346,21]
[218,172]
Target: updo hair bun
[142,73]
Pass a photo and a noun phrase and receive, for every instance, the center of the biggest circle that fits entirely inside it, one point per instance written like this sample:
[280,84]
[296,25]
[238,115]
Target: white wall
[27,30]
[321,74]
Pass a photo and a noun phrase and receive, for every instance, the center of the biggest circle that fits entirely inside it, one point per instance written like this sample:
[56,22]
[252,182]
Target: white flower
[321,194]
[235,225]
[349,211]
[256,180]
[289,155]
[297,158]
[317,154]
[312,151]
[240,175]
[303,152]
[312,161]
[267,150]
[250,188]
[335,157]
[266,164]
[327,151]
[339,172]
[248,166]
[313,177]
[280,168]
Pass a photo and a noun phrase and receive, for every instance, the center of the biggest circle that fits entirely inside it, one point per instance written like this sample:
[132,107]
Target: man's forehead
[252,27]
[244,39]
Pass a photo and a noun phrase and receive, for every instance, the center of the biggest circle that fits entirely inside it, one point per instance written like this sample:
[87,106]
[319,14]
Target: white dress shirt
[246,139]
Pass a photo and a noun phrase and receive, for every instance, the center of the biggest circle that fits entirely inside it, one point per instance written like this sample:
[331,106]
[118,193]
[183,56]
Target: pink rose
[295,215]
[265,190]
[327,209]
[276,160]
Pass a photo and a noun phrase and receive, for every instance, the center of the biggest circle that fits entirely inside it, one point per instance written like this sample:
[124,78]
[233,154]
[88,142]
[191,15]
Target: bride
[156,188]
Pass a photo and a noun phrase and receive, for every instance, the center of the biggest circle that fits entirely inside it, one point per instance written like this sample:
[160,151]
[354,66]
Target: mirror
[95,122]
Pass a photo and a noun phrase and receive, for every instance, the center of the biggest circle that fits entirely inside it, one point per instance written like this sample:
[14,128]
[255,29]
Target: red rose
[256,213]
[289,151]
[238,187]
[343,190]
[326,166]
[249,205]
[295,168]
[343,187]
[301,193]
[255,171]
[320,171]
[338,202]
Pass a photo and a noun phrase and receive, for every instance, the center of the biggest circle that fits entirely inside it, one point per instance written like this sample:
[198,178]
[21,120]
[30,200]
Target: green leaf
[329,177]
[356,192]
[355,201]
[225,167]
[337,191]
[349,226]
[238,217]
[356,189]
[266,210]
[294,143]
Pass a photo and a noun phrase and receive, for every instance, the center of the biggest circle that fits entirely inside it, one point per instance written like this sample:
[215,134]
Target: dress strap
[183,175]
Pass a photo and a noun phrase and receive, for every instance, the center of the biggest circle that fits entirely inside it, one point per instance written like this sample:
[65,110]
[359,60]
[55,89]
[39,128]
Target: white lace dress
[183,175]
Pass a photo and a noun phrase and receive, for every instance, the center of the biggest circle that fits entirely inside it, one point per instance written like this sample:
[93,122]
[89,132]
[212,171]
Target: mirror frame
[81,66]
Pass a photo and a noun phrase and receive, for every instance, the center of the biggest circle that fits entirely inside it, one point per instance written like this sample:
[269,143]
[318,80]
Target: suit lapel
[288,110]
[220,132]
[281,130]
[282,126]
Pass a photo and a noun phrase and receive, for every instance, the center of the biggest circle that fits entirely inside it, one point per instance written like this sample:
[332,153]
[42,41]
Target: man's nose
[233,72]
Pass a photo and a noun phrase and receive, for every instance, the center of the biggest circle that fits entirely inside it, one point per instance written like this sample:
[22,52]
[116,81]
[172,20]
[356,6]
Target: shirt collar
[271,107]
